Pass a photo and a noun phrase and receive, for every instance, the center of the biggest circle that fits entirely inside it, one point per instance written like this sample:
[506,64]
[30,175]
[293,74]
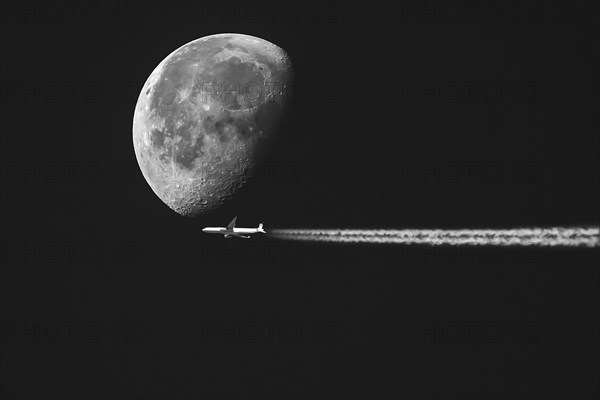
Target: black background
[363,149]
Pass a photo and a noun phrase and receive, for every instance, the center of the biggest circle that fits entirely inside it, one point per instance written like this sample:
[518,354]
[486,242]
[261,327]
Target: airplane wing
[238,235]
[231,224]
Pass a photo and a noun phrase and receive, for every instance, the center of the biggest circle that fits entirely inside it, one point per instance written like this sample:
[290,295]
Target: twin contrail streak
[557,236]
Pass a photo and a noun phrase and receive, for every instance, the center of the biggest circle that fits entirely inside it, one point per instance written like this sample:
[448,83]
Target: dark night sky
[407,117]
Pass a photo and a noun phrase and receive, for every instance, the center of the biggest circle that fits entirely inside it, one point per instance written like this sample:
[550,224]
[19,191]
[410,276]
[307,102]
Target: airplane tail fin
[261,229]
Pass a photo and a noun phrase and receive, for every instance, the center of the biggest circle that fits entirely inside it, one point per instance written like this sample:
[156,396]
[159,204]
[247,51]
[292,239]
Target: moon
[205,113]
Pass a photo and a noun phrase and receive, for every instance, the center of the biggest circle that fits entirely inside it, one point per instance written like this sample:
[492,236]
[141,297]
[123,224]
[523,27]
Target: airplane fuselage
[242,231]
[231,231]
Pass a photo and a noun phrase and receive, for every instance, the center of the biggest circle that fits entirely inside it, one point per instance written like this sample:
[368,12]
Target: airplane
[231,230]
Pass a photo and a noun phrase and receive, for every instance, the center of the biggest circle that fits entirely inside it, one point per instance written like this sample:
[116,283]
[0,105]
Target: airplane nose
[203,229]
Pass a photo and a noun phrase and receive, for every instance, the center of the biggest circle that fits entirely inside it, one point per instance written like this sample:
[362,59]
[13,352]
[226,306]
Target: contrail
[557,236]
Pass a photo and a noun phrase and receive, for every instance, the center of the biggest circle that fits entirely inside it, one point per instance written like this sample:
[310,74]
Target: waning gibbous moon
[204,113]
